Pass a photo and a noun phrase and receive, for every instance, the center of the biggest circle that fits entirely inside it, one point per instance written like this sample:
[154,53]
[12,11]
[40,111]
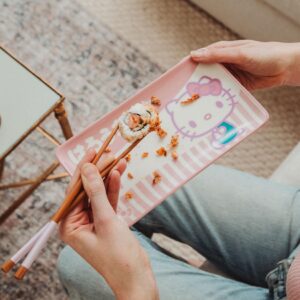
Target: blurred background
[99,52]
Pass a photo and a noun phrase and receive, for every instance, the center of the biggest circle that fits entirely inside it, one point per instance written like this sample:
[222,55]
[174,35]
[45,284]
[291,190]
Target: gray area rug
[96,70]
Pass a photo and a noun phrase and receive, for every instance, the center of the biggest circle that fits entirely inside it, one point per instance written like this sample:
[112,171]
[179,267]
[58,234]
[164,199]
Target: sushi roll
[138,121]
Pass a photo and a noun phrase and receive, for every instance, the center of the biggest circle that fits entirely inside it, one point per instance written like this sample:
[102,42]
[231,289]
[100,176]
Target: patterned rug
[96,70]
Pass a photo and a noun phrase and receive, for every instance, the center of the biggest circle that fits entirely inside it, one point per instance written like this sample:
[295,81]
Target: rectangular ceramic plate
[225,114]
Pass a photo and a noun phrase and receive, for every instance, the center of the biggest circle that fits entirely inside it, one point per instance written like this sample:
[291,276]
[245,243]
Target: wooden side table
[25,101]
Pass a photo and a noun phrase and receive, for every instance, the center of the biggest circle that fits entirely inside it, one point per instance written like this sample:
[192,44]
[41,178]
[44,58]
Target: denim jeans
[243,224]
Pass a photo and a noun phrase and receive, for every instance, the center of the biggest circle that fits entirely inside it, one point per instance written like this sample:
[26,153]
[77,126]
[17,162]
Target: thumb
[95,189]
[218,55]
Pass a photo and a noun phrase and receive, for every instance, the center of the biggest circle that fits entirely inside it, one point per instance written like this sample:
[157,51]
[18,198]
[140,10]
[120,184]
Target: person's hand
[255,64]
[104,240]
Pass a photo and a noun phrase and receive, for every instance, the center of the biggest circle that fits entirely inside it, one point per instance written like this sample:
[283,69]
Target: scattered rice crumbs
[129,175]
[128,157]
[154,124]
[145,154]
[191,99]
[128,195]
[161,132]
[174,141]
[174,155]
[155,101]
[156,177]
[107,150]
[161,151]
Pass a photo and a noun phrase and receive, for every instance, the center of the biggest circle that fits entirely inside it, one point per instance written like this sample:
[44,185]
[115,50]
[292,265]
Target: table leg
[1,167]
[28,192]
[61,116]
[32,181]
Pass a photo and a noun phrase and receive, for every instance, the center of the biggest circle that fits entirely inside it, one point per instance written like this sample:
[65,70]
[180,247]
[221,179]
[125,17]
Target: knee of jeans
[64,264]
[143,226]
[68,269]
[79,279]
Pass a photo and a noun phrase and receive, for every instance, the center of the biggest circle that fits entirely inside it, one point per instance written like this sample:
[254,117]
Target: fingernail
[123,160]
[199,52]
[88,171]
[115,172]
[91,151]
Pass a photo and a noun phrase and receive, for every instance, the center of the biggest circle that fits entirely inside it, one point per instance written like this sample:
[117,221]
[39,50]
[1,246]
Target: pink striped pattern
[248,115]
[196,158]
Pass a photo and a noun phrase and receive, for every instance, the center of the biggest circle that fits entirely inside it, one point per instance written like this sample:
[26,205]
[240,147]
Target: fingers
[222,52]
[121,166]
[218,55]
[95,189]
[225,44]
[88,157]
[113,183]
[90,154]
[104,161]
[113,188]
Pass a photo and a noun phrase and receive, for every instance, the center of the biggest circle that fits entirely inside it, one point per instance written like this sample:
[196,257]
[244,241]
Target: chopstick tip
[20,273]
[7,266]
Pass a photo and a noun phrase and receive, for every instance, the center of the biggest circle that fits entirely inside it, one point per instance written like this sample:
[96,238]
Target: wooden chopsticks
[34,246]
[78,187]
[106,171]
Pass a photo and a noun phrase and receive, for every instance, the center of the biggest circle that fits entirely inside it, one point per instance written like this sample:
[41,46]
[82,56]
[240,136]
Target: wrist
[293,70]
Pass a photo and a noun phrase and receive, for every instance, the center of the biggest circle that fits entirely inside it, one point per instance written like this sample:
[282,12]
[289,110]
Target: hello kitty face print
[208,115]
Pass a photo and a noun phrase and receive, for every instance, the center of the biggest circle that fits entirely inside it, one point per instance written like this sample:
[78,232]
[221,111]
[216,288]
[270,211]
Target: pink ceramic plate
[225,114]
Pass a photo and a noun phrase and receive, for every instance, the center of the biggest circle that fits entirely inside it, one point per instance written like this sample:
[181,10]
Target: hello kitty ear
[205,80]
[205,86]
[215,87]
[170,107]
[192,88]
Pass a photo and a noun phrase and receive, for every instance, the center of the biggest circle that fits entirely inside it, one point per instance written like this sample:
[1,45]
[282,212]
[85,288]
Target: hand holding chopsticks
[99,236]
[133,125]
[34,246]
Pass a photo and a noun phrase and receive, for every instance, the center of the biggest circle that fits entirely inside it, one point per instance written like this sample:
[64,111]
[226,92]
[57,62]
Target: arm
[255,64]
[106,242]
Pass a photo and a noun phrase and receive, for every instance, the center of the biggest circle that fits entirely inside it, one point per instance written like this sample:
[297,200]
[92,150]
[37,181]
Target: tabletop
[25,100]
